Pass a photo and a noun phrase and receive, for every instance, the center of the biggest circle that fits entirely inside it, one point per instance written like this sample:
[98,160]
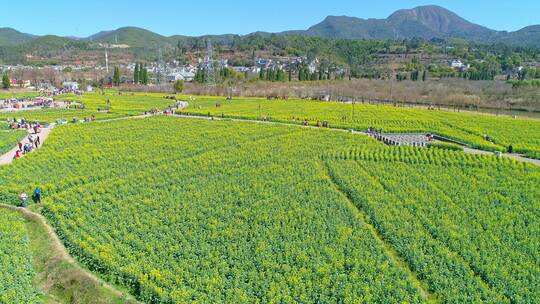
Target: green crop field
[467,230]
[9,139]
[127,104]
[521,133]
[124,103]
[185,210]
[16,271]
[18,94]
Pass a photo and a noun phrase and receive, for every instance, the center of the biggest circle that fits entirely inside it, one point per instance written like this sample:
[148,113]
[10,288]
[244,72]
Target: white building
[181,75]
[70,85]
[457,64]
[312,67]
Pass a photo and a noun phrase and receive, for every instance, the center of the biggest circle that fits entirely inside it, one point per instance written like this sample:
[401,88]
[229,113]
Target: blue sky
[168,17]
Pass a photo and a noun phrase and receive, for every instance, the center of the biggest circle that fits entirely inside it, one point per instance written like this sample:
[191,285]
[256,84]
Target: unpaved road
[517,157]
[8,157]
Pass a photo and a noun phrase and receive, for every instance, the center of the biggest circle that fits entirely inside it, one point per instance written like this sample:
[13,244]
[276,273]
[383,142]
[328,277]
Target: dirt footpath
[8,157]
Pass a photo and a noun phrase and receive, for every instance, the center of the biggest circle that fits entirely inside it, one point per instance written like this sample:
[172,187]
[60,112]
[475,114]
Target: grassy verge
[9,139]
[58,277]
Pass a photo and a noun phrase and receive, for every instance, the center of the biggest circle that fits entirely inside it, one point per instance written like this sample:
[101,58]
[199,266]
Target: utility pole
[353,103]
[159,65]
[209,65]
[391,84]
[107,61]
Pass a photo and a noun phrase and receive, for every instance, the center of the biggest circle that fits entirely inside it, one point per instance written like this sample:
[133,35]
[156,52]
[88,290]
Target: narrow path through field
[466,149]
[7,158]
[398,261]
[265,122]
[64,268]
[517,157]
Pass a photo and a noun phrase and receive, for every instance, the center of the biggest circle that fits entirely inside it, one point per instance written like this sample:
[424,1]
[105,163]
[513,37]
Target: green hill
[51,43]
[10,37]
[528,36]
[132,36]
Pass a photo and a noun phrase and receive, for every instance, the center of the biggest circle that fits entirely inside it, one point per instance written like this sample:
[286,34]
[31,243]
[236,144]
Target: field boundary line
[482,274]
[60,249]
[467,147]
[426,225]
[266,122]
[391,253]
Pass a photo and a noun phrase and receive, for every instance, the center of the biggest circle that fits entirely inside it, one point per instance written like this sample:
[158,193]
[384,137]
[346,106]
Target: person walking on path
[24,198]
[20,146]
[37,195]
[38,141]
[17,154]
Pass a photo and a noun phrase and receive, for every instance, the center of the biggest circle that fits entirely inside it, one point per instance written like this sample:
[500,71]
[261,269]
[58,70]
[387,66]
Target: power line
[209,65]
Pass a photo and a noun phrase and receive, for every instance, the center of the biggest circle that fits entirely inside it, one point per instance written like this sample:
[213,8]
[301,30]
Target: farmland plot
[208,211]
[15,261]
[521,133]
[470,231]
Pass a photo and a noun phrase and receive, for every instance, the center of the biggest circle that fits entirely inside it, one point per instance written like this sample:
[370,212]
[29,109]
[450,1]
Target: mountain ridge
[425,22]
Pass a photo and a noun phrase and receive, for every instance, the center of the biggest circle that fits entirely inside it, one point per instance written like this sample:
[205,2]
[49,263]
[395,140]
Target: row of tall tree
[274,75]
[140,74]
[415,75]
[6,82]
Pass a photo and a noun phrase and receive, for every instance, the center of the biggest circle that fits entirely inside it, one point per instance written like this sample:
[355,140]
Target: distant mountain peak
[439,20]
[424,9]
[428,22]
[429,13]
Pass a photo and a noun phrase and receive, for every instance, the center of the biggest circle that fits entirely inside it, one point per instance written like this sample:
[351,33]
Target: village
[71,76]
[45,77]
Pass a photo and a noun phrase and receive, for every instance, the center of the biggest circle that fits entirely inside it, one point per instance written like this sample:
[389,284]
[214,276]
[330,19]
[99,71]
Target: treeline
[291,73]
[275,75]
[413,76]
[469,75]
[140,74]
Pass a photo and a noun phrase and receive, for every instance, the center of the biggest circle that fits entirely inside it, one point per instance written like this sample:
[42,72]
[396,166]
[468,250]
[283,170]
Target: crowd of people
[24,124]
[153,112]
[34,141]
[12,102]
[168,111]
